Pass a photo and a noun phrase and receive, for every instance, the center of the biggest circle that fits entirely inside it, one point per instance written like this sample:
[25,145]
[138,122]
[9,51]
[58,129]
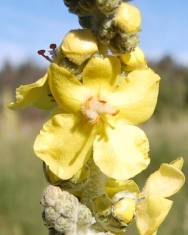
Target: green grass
[21,185]
[22,181]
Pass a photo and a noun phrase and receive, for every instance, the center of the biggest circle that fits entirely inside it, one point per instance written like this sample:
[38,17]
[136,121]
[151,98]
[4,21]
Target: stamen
[103,101]
[42,53]
[53,50]
[115,113]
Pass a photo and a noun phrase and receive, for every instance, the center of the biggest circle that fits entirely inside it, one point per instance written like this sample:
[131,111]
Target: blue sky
[29,25]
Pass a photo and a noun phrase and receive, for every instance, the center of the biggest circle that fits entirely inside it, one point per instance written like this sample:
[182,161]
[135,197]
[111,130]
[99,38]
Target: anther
[53,46]
[52,51]
[42,53]
[115,113]
[102,101]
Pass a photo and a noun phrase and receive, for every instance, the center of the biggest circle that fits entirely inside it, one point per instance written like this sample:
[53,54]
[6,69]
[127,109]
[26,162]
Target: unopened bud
[79,45]
[134,59]
[106,32]
[50,196]
[107,6]
[86,21]
[50,215]
[81,7]
[85,218]
[127,18]
[124,210]
[64,225]
[123,43]
[63,213]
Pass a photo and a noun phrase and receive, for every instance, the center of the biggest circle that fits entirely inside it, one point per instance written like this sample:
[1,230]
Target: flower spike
[99,88]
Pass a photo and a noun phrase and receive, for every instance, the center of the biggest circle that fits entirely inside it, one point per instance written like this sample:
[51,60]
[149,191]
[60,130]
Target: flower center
[94,109]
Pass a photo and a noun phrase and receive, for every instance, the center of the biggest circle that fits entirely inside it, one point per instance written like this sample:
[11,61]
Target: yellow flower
[36,94]
[128,18]
[79,45]
[97,115]
[134,60]
[151,206]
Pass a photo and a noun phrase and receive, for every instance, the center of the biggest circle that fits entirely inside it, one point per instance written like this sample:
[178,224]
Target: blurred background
[27,26]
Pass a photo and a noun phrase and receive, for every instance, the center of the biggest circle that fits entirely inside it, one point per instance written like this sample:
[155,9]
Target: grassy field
[22,181]
[21,185]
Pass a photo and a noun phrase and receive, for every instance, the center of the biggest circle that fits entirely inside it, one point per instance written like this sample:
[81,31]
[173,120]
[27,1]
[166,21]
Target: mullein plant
[99,87]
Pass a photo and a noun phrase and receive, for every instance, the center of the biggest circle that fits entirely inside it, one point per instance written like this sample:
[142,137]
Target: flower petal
[67,90]
[122,152]
[115,186]
[178,163]
[150,213]
[100,73]
[136,97]
[155,233]
[64,144]
[35,94]
[87,45]
[165,182]
[134,59]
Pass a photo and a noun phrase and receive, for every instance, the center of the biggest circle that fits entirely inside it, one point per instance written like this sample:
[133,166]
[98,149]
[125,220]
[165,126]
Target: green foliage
[21,183]
[173,96]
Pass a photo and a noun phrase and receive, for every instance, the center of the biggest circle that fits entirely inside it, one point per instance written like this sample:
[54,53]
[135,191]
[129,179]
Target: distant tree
[13,76]
[173,96]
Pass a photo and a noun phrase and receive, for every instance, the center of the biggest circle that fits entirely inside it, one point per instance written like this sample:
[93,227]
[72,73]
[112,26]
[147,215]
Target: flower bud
[79,45]
[124,210]
[81,7]
[107,6]
[134,59]
[86,21]
[85,218]
[105,32]
[63,213]
[124,43]
[127,18]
